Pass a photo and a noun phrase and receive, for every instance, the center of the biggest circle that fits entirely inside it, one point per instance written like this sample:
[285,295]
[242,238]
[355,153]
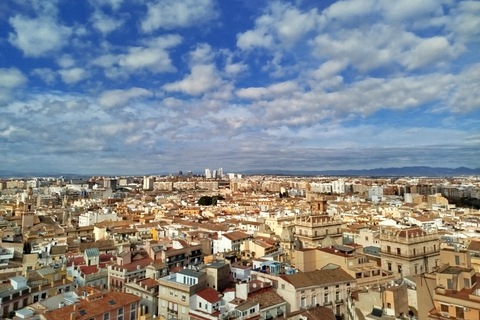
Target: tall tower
[28,215]
[208,174]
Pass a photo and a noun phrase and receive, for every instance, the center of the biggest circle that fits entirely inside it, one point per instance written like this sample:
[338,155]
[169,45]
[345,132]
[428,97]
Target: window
[449,284]
[389,266]
[466,283]
[388,249]
[389,305]
[459,312]
[199,304]
[444,307]
[184,297]
[457,260]
[399,267]
[303,302]
[399,251]
[252,310]
[133,313]
[283,286]
[325,298]
[106,316]
[314,300]
[337,296]
[120,310]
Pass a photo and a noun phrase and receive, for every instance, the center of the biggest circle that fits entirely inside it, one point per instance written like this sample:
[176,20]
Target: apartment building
[409,251]
[175,291]
[313,230]
[127,269]
[98,306]
[147,290]
[230,241]
[218,275]
[457,291]
[474,250]
[327,287]
[350,258]
[23,291]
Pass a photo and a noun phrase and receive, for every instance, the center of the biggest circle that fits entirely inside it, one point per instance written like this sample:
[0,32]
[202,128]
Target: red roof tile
[209,294]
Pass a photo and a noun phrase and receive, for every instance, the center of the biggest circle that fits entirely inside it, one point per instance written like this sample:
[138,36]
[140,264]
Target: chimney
[72,316]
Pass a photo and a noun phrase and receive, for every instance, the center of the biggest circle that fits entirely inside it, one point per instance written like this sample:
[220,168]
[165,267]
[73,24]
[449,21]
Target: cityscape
[240,160]
[224,245]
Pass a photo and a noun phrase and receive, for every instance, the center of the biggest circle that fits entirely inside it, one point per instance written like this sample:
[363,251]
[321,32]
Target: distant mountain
[378,172]
[15,174]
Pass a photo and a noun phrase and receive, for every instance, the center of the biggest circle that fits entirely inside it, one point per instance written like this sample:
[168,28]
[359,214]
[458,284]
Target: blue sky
[157,86]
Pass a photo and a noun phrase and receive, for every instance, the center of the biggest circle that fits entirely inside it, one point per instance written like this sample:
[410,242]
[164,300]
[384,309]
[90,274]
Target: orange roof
[90,309]
[209,294]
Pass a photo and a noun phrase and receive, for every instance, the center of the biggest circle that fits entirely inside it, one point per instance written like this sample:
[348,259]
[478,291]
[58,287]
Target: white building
[91,217]
[208,174]
[148,183]
[230,241]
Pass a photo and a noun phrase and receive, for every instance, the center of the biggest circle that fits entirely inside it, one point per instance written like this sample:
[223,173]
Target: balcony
[410,255]
[172,311]
[196,253]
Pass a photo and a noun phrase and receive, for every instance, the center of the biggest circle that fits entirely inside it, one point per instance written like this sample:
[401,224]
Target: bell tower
[28,215]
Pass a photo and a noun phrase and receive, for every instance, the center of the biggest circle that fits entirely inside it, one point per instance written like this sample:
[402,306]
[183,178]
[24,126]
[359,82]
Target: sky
[157,86]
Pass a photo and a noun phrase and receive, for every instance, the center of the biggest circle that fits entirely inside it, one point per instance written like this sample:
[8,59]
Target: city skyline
[118,87]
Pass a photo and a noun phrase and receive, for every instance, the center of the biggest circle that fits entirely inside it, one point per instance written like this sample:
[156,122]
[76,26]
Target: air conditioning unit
[466,309]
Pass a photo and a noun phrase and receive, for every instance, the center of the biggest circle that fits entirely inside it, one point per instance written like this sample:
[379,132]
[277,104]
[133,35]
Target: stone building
[409,251]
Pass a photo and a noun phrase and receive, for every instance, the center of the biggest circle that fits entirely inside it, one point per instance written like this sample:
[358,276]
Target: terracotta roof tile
[209,294]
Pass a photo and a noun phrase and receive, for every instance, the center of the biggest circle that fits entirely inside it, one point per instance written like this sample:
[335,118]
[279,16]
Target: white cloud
[370,48]
[466,96]
[114,4]
[429,51]
[74,75]
[347,10]
[233,69]
[66,61]
[465,22]
[202,54]
[37,37]
[330,69]
[105,23]
[282,24]
[273,91]
[46,74]
[170,14]
[411,9]
[201,79]
[153,56]
[118,98]
[11,78]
